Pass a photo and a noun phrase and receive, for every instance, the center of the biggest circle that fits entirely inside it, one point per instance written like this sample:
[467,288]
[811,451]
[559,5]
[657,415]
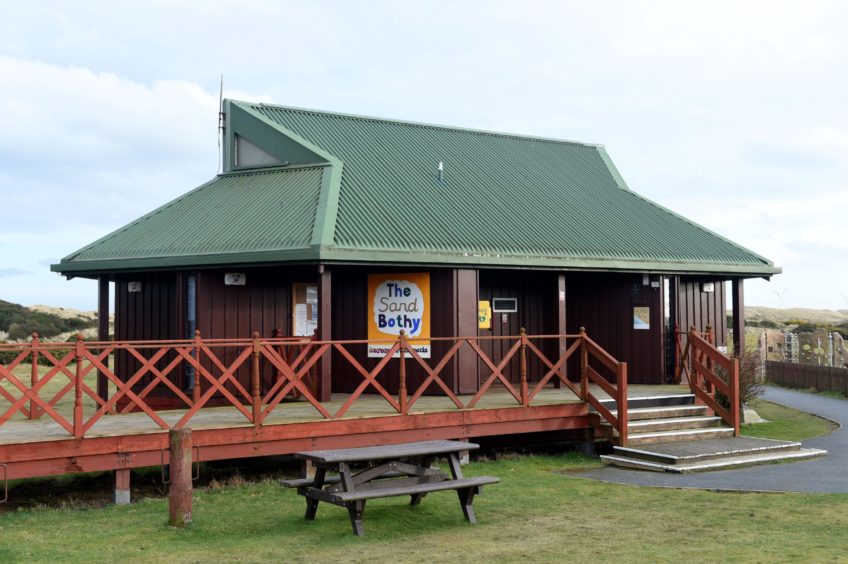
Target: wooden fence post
[179,493]
[33,376]
[78,355]
[522,368]
[402,399]
[254,380]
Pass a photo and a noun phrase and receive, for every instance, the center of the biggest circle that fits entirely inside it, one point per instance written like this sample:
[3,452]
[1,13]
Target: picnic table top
[383,452]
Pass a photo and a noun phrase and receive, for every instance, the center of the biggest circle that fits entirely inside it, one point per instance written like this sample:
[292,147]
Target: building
[317,216]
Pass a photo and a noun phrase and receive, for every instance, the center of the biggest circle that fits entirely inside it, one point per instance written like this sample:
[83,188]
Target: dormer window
[249,155]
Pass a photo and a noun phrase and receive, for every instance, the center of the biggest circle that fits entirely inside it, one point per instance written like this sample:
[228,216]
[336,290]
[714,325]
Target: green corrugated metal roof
[504,199]
[260,213]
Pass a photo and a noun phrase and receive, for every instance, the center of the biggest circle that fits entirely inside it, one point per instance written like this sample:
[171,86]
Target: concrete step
[653,401]
[683,452]
[673,424]
[670,424]
[641,413]
[723,463]
[678,435]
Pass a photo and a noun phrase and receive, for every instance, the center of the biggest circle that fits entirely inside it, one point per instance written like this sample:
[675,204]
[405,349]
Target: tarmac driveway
[827,474]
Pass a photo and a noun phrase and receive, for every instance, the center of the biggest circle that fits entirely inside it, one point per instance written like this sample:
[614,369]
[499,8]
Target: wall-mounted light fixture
[133,287]
[235,279]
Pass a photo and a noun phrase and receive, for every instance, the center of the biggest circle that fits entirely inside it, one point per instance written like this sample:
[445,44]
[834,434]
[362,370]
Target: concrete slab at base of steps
[710,454]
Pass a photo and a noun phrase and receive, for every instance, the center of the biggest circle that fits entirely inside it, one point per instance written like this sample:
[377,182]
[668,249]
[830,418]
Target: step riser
[647,440]
[683,411]
[654,401]
[659,425]
[721,464]
[657,458]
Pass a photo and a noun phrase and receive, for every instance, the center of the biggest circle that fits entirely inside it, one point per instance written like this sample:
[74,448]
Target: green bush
[750,378]
[20,322]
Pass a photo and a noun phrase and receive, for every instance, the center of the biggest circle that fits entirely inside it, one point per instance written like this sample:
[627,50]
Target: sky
[733,114]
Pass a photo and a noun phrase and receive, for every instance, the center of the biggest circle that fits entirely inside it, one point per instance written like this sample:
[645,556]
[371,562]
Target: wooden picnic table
[386,471]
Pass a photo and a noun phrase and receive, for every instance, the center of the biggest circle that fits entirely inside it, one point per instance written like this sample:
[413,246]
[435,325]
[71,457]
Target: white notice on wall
[301,322]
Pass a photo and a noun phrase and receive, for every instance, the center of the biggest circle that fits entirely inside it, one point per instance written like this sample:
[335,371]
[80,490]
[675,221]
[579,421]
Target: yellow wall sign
[484,315]
[398,301]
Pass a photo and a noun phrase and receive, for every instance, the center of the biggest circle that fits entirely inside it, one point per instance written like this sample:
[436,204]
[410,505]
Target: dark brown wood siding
[263,305]
[536,293]
[603,303]
[696,308]
[152,314]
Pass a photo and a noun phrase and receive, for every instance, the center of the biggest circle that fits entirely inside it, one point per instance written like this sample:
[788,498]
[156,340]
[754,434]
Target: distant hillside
[792,315]
[18,322]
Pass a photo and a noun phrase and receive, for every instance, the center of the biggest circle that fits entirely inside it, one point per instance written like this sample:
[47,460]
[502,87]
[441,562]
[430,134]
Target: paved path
[827,474]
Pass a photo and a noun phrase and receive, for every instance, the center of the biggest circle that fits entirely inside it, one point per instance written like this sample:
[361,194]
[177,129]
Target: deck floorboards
[19,430]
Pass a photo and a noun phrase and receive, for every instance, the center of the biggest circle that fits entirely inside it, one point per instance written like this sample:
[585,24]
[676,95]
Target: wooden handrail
[618,392]
[704,382]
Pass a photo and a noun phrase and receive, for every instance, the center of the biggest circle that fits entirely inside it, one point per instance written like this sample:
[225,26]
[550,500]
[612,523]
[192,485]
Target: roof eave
[588,263]
[93,268]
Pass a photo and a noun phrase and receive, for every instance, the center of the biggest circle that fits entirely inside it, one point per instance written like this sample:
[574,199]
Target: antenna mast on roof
[220,124]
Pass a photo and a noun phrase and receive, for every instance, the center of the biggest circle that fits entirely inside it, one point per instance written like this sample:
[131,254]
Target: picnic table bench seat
[463,483]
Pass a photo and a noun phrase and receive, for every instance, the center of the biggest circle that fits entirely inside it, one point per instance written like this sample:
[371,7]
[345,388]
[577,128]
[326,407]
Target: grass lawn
[539,512]
[786,423]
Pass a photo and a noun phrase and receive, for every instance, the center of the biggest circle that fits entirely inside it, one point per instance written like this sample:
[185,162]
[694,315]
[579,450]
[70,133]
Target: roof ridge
[419,124]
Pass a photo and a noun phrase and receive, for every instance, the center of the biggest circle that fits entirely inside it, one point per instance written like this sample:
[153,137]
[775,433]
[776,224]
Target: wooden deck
[62,415]
[42,447]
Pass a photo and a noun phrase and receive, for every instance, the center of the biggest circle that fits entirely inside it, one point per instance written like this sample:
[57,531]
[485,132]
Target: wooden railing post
[734,394]
[522,368]
[584,363]
[695,353]
[621,401]
[195,390]
[254,380]
[78,355]
[708,336]
[402,399]
[33,376]
[179,493]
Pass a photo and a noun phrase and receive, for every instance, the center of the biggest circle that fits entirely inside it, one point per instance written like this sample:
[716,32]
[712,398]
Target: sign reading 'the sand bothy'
[398,301]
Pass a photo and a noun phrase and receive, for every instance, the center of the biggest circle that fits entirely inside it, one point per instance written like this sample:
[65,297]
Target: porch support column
[738,298]
[325,331]
[103,331]
[466,309]
[561,326]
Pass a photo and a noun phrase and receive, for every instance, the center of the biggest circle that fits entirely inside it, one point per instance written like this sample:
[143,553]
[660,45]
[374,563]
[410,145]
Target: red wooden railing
[699,360]
[617,391]
[216,362]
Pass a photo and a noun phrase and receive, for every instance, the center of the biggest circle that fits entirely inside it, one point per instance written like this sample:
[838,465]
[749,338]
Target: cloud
[8,272]
[730,113]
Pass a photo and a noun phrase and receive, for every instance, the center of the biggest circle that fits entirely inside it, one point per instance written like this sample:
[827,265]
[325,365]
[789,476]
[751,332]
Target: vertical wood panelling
[696,308]
[235,312]
[603,304]
[149,314]
[467,288]
[536,292]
